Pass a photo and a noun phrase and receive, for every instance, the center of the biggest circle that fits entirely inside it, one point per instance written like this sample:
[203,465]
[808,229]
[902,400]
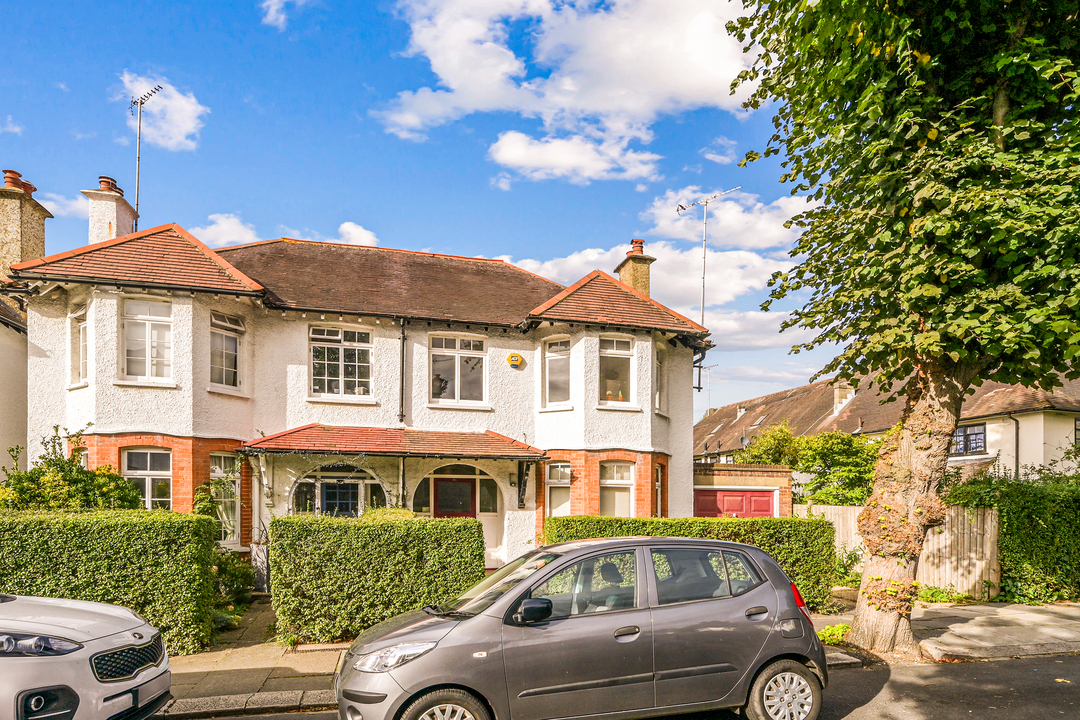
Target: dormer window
[340,361]
[616,367]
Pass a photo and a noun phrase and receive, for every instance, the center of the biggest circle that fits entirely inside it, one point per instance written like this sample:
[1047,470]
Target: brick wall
[748,476]
[190,465]
[585,482]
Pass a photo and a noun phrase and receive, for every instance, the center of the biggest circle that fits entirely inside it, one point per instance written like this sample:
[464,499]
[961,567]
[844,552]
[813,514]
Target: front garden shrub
[332,577]
[159,564]
[802,547]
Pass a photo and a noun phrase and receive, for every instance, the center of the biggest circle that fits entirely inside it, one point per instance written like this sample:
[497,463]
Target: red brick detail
[190,465]
[585,481]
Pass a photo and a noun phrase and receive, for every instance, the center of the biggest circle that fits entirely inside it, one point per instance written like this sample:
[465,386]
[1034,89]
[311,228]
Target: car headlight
[22,645]
[391,657]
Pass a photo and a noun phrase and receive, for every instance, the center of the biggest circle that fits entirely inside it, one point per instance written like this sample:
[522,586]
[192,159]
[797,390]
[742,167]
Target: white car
[75,660]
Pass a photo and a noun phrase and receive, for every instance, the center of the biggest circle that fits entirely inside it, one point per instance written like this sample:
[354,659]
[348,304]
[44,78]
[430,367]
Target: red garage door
[733,503]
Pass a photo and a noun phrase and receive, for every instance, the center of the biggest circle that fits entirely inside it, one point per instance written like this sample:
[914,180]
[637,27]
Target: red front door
[733,503]
[455,497]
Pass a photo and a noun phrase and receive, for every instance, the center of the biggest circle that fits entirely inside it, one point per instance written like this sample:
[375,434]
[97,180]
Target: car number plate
[150,690]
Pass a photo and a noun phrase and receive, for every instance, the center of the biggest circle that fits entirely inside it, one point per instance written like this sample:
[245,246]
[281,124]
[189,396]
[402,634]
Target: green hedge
[158,563]
[1038,536]
[802,547]
[331,577]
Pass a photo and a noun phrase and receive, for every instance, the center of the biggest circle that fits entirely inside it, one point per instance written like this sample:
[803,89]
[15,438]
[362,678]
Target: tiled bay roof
[808,410]
[164,256]
[601,299]
[365,280]
[328,439]
[11,318]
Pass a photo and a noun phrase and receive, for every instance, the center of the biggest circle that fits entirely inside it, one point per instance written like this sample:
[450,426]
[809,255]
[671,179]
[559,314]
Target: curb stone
[836,660]
[259,703]
[996,652]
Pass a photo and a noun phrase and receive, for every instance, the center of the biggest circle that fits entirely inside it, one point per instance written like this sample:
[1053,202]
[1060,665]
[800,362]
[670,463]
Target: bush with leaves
[58,481]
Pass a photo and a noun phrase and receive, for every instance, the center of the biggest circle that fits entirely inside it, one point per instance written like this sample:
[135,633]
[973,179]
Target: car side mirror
[533,610]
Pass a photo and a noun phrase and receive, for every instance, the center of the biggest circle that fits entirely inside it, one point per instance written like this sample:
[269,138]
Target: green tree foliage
[842,464]
[58,481]
[940,142]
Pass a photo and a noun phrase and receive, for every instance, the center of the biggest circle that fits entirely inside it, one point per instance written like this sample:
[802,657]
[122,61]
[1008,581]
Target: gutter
[127,283]
[437,455]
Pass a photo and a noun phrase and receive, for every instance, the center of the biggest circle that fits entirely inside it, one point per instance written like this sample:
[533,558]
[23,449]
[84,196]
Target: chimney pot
[107,183]
[11,179]
[28,188]
[637,247]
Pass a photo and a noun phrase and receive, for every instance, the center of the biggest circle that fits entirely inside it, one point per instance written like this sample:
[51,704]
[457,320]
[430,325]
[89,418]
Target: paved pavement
[990,630]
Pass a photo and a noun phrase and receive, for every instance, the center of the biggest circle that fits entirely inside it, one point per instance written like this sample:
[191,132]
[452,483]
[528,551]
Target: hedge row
[331,577]
[802,547]
[1038,536]
[159,564]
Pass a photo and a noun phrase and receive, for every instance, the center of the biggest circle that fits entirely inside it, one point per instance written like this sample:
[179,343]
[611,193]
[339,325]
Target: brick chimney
[22,223]
[634,269]
[110,214]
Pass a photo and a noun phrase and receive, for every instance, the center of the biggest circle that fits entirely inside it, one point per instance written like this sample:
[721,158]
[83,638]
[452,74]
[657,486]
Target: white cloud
[226,229]
[575,158]
[83,136]
[274,11]
[61,206]
[349,233]
[62,86]
[641,187]
[736,220]
[501,181]
[11,127]
[721,150]
[122,141]
[595,73]
[171,119]
[751,330]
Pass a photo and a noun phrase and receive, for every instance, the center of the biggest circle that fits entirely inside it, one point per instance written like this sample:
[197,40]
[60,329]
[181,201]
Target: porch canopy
[318,439]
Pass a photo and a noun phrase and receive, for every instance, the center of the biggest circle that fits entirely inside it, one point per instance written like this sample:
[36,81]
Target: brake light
[799,602]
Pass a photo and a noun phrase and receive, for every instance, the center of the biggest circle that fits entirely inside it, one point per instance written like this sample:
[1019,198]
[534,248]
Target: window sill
[226,390]
[460,406]
[556,408]
[145,384]
[79,385]
[619,407]
[661,414]
[344,400]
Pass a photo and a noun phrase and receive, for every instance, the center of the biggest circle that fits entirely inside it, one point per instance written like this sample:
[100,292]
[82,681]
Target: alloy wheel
[447,711]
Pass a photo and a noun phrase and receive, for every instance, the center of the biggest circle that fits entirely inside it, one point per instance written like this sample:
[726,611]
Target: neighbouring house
[22,238]
[1010,424]
[352,376]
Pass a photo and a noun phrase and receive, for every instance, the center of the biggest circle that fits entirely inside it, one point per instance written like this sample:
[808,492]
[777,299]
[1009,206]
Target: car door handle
[628,630]
[757,610]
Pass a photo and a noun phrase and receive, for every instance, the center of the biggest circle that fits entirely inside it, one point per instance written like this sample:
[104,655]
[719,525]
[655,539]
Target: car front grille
[126,662]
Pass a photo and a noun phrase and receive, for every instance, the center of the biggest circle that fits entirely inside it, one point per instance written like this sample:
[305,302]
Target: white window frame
[478,477]
[556,482]
[233,327]
[237,510]
[458,353]
[129,318]
[79,346]
[148,476]
[318,478]
[617,351]
[660,399]
[659,491]
[619,483]
[334,336]
[559,353]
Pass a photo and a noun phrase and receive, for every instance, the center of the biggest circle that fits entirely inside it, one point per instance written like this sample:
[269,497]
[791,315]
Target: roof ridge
[646,298]
[525,445]
[565,293]
[91,248]
[221,262]
[761,399]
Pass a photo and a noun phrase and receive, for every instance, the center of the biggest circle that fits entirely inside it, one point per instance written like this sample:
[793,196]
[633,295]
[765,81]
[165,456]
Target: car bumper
[132,699]
[366,696]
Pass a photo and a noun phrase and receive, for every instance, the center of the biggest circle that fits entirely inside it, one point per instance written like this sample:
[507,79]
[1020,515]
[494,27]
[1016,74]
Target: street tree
[940,142]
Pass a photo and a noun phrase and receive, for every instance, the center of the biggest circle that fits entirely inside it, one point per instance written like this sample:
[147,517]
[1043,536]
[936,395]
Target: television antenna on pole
[704,233]
[139,102]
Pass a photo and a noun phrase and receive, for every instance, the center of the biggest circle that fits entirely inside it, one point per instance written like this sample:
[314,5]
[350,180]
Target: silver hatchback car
[624,628]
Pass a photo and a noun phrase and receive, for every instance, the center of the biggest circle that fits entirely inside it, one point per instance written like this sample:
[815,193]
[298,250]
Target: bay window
[225,477]
[616,489]
[558,489]
[147,333]
[225,332]
[340,362]
[556,372]
[78,346]
[457,370]
[150,470]
[616,365]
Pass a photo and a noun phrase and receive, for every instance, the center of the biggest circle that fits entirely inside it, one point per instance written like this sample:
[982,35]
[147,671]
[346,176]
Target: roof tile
[316,438]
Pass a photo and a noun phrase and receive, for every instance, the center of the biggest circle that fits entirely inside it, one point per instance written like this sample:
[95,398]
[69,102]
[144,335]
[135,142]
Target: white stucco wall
[13,347]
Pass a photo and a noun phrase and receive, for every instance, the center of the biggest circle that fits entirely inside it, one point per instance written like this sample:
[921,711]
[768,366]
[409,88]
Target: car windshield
[481,596]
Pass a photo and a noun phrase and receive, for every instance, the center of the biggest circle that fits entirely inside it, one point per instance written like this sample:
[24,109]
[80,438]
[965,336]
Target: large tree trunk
[904,505]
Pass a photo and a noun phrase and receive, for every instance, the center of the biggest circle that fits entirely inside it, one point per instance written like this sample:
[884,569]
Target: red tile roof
[10,317]
[600,299]
[328,439]
[362,280]
[164,256]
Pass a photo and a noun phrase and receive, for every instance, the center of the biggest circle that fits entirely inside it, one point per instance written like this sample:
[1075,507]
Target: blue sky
[548,132]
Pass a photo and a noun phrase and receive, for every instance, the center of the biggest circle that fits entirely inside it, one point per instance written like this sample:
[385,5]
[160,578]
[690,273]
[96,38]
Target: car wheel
[785,690]
[446,704]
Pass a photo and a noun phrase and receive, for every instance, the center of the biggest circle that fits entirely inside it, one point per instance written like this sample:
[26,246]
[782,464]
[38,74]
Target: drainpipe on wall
[1016,447]
[401,398]
[401,481]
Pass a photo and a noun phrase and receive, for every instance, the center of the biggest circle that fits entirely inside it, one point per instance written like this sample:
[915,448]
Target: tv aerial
[139,102]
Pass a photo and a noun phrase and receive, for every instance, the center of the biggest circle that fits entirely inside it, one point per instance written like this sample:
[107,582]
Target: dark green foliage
[1038,537]
[334,577]
[802,547]
[58,481]
[159,564]
[234,578]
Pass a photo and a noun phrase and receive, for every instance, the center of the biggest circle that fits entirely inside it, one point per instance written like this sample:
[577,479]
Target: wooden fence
[962,553]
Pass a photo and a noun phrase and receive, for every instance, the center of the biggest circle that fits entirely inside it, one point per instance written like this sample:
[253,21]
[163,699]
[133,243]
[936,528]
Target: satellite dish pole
[704,251]
[140,101]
